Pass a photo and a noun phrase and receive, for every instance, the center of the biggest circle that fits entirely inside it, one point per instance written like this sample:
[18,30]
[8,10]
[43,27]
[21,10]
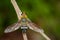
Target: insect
[24,23]
[20,24]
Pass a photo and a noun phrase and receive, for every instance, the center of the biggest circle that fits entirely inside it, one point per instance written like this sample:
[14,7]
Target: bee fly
[24,23]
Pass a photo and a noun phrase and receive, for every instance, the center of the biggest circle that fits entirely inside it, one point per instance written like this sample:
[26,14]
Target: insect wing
[36,29]
[12,27]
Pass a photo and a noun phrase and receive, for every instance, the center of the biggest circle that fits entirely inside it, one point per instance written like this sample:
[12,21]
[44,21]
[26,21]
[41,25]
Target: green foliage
[44,12]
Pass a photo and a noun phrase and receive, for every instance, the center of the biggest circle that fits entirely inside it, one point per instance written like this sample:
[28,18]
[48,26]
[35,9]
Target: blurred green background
[45,13]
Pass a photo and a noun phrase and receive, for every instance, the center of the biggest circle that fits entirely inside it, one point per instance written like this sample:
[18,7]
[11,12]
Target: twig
[17,9]
[25,36]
